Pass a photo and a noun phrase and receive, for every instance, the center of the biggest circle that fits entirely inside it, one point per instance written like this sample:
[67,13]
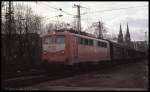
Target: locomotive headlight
[44,52]
[62,52]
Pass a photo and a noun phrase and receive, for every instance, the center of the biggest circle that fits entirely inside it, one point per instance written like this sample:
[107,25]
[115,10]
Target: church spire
[120,36]
[127,36]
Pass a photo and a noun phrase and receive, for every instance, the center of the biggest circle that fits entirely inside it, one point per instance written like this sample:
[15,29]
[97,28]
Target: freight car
[66,48]
[122,53]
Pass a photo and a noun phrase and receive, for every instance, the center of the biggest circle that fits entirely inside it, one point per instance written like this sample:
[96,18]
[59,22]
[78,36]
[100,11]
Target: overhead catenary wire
[58,9]
[45,7]
[49,8]
[113,9]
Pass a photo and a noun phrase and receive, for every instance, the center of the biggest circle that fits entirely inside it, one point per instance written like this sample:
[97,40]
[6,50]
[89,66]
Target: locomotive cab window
[47,40]
[60,39]
[54,43]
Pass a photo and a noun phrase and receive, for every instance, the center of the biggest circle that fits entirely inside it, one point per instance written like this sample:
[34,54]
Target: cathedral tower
[127,36]
[120,36]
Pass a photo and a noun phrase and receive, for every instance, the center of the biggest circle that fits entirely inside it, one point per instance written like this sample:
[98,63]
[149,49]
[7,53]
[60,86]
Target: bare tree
[97,27]
[21,48]
[26,21]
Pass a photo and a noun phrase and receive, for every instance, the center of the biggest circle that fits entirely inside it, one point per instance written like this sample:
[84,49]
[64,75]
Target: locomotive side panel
[72,50]
[103,52]
[85,53]
[95,51]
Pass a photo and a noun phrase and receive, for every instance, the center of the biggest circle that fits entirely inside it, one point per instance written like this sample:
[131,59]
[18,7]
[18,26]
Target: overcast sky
[137,18]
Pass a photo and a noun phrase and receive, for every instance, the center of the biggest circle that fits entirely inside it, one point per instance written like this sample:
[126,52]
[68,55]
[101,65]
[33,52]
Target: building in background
[137,45]
[127,38]
[120,36]
[140,46]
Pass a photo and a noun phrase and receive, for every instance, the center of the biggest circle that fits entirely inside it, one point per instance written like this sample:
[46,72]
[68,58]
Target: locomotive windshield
[54,39]
[47,40]
[60,39]
[54,43]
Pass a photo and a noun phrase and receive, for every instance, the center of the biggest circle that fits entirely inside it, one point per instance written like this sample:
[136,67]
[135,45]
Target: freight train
[67,48]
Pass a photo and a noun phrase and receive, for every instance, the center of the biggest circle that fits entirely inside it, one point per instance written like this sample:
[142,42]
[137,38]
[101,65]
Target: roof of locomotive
[76,33]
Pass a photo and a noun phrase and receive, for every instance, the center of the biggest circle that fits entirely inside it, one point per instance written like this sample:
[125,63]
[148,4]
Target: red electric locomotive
[66,49]
[69,48]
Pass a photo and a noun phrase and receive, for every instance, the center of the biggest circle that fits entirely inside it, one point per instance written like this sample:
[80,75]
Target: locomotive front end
[54,49]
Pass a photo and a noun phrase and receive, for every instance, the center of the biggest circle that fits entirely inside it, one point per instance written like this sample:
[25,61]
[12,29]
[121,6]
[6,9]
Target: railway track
[120,77]
[23,81]
[36,79]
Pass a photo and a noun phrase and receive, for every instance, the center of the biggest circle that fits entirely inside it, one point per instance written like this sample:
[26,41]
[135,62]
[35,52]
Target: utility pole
[100,30]
[78,17]
[57,25]
[74,22]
